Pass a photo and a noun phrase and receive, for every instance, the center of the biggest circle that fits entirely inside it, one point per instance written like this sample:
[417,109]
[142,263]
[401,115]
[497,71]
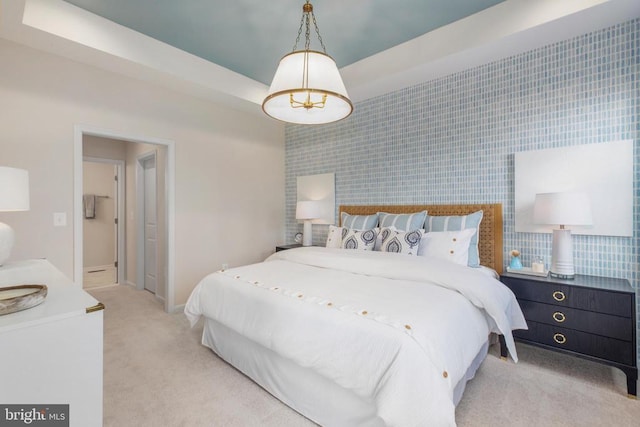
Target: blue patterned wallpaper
[453,139]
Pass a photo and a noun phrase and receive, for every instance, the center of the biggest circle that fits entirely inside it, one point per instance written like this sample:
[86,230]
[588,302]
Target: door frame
[81,130]
[140,225]
[120,248]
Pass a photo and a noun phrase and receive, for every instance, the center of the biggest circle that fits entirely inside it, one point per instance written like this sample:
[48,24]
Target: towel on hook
[89,201]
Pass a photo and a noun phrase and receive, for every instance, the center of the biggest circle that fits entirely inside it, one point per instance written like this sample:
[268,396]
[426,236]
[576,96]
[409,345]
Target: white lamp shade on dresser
[14,196]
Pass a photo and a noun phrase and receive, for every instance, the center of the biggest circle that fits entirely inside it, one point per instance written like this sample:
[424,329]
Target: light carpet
[156,372]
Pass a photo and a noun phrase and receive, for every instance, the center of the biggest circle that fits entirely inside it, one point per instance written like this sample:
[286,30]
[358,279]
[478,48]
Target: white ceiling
[506,28]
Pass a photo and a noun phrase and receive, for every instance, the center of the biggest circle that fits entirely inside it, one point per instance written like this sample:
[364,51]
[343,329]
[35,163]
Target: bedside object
[537,265]
[52,353]
[515,263]
[589,317]
[527,271]
[18,298]
[569,208]
[14,196]
[285,247]
[307,210]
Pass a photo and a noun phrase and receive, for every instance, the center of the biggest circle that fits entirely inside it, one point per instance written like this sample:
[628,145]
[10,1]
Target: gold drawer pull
[99,306]
[559,317]
[559,296]
[559,338]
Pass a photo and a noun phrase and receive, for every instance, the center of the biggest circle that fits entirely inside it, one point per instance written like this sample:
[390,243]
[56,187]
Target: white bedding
[397,330]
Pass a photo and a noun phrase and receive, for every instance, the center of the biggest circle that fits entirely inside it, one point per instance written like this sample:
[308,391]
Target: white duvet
[399,331]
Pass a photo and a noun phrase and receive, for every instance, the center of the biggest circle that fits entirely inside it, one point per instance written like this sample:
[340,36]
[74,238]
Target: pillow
[401,242]
[359,239]
[402,222]
[380,238]
[359,222]
[334,238]
[451,245]
[456,223]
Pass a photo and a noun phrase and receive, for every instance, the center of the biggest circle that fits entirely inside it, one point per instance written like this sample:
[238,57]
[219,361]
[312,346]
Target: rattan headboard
[490,241]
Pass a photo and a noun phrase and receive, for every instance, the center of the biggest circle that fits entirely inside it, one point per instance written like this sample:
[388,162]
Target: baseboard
[96,267]
[178,308]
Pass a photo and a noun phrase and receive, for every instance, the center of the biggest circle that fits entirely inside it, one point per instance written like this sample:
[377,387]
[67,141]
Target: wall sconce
[570,208]
[14,196]
[307,210]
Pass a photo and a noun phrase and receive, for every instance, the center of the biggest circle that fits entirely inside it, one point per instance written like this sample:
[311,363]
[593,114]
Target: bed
[363,338]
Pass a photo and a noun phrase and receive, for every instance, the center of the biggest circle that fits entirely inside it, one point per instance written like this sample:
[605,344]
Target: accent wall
[453,139]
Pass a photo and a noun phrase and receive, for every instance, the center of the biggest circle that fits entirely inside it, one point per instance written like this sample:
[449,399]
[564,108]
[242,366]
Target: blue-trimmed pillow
[402,222]
[359,222]
[359,239]
[401,242]
[455,223]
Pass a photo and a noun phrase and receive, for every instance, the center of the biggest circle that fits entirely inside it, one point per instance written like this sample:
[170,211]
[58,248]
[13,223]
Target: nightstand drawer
[601,301]
[591,317]
[585,321]
[580,342]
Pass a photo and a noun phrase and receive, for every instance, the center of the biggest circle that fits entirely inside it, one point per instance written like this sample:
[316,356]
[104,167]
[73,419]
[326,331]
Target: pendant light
[307,87]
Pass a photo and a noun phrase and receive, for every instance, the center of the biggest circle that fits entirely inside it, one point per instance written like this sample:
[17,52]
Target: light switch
[59,219]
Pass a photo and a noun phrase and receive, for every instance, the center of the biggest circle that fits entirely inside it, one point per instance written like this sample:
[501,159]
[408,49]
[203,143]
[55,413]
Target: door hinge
[115,177]
[115,264]
[115,220]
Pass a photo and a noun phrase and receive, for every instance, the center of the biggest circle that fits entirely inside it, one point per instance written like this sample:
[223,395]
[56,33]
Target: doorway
[164,257]
[102,201]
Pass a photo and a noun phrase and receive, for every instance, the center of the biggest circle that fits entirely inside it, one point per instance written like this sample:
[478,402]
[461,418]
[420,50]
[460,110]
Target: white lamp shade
[308,209]
[569,208]
[14,189]
[322,77]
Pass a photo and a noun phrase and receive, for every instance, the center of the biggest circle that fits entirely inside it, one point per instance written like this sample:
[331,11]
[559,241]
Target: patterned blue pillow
[401,242]
[402,222]
[456,223]
[359,222]
[359,239]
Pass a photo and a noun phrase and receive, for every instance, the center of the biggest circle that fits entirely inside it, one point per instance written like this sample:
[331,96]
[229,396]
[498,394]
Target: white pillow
[401,242]
[451,245]
[334,238]
[359,239]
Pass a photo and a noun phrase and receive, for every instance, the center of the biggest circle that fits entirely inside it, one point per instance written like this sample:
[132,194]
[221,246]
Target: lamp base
[307,233]
[7,237]
[562,255]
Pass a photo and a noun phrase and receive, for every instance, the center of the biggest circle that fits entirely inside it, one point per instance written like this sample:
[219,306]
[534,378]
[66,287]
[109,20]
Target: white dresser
[52,353]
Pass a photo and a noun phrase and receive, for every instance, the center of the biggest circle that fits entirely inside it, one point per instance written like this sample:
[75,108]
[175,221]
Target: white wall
[229,164]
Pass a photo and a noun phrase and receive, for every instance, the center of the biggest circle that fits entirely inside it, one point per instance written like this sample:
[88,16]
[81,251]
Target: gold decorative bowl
[17,298]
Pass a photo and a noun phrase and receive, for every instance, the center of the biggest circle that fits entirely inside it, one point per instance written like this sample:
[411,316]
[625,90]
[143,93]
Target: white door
[150,226]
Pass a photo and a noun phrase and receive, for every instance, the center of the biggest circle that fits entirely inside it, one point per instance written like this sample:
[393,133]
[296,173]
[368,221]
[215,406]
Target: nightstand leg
[632,382]
[503,348]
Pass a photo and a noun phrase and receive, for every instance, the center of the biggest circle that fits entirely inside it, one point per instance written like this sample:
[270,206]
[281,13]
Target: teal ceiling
[250,36]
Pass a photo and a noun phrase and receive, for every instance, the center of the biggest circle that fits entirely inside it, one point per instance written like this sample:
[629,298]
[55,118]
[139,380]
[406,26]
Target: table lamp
[14,196]
[308,210]
[568,208]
